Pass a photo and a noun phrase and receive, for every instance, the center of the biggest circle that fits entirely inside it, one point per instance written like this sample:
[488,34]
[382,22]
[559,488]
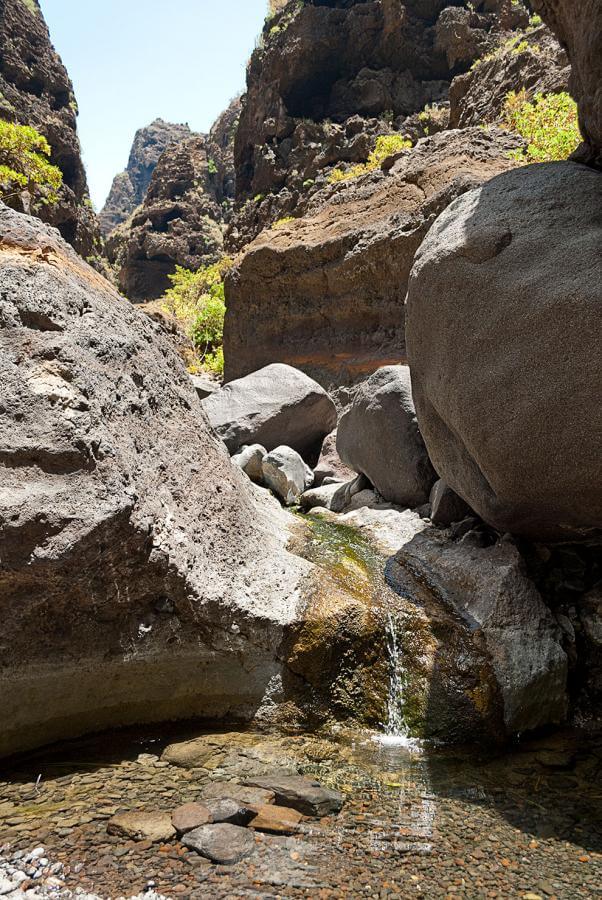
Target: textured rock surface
[35,89]
[511,422]
[325,293]
[579,29]
[379,437]
[531,61]
[129,187]
[142,826]
[480,599]
[182,217]
[274,405]
[129,544]
[303,794]
[223,844]
[286,474]
[190,816]
[250,459]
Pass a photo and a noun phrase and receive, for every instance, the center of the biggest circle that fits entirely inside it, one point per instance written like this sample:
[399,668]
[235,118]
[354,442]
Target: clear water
[395,732]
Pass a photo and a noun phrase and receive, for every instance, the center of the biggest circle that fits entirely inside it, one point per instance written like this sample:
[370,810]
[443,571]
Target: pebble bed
[432,824]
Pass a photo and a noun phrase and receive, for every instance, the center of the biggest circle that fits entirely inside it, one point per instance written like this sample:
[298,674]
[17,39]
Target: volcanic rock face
[140,576]
[503,329]
[325,293]
[183,214]
[130,186]
[532,62]
[35,90]
[578,27]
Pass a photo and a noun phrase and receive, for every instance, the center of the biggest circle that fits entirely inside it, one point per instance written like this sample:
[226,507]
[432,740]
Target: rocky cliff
[35,90]
[130,186]
[325,241]
[183,215]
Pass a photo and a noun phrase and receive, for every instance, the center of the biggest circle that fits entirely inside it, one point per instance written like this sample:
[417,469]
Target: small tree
[24,165]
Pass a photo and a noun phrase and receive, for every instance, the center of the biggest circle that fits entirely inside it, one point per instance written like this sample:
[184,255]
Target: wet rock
[252,796]
[190,816]
[277,405]
[379,437]
[446,506]
[226,809]
[286,474]
[497,630]
[276,820]
[530,236]
[387,528]
[250,459]
[223,844]
[303,794]
[142,826]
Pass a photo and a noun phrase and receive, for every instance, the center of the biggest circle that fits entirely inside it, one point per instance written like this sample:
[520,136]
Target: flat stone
[190,816]
[276,819]
[222,843]
[251,795]
[142,826]
[226,809]
[303,794]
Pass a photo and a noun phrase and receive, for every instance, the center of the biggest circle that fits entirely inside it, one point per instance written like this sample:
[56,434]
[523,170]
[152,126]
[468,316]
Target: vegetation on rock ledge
[196,299]
[24,165]
[386,145]
[549,123]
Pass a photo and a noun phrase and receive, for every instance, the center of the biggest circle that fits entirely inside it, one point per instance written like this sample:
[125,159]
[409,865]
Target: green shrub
[386,145]
[31,6]
[211,166]
[280,223]
[24,165]
[549,124]
[197,300]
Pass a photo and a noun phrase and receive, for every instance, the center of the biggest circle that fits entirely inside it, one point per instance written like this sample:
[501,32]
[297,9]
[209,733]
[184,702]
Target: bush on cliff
[549,124]
[24,166]
[196,299]
[386,145]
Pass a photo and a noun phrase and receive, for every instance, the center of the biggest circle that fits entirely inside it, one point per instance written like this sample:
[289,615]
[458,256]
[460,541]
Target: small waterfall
[395,731]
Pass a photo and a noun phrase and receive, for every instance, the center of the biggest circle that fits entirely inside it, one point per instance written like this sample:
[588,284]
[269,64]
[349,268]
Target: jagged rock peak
[36,90]
[130,186]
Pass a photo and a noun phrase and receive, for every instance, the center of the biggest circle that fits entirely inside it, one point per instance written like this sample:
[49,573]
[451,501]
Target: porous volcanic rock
[578,27]
[182,218]
[129,187]
[130,546]
[379,437]
[325,293]
[35,90]
[532,61]
[328,77]
[503,316]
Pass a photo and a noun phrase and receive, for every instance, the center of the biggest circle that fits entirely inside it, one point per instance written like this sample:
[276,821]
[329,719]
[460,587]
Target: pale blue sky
[134,60]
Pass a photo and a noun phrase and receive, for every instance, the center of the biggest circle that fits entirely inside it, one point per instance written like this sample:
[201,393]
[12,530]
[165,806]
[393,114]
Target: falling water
[395,730]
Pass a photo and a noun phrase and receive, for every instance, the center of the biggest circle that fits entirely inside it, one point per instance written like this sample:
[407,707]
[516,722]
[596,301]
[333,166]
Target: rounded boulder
[503,328]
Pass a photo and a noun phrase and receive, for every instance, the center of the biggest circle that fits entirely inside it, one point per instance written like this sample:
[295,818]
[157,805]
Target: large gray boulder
[129,543]
[275,405]
[490,625]
[379,438]
[503,333]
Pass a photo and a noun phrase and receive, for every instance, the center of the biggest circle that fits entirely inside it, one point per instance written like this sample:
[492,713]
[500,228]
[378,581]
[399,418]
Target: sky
[132,61]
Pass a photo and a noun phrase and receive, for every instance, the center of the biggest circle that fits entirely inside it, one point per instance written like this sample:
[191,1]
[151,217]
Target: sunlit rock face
[35,90]
[130,186]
